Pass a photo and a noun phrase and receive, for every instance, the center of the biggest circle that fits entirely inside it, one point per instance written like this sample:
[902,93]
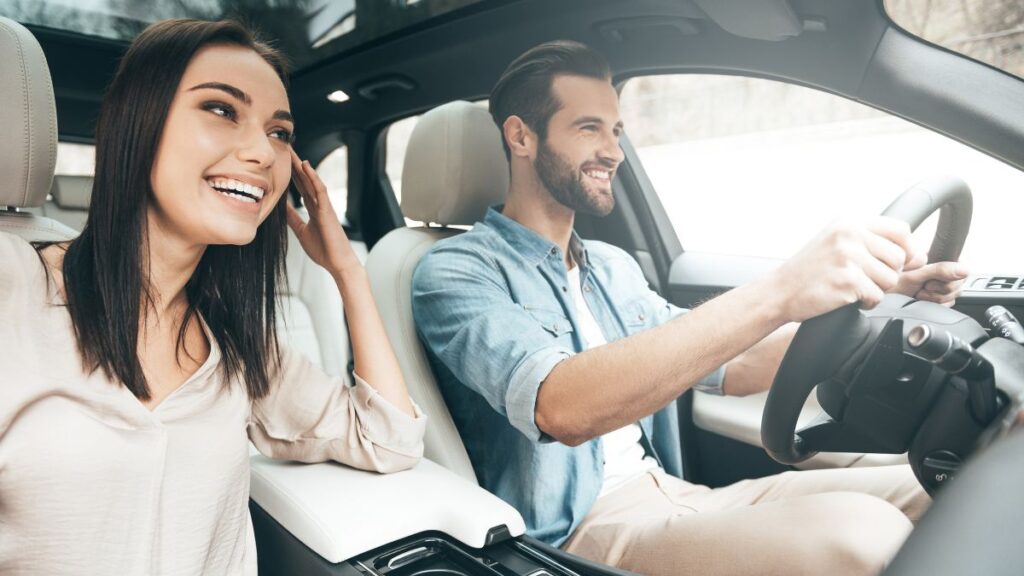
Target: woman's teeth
[236,189]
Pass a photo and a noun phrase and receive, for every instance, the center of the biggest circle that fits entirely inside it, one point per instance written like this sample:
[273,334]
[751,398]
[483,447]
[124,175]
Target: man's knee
[860,533]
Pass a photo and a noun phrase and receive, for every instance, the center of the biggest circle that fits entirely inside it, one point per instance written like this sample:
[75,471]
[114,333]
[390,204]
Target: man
[558,361]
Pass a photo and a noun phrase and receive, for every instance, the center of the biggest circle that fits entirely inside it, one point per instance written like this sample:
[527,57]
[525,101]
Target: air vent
[996,283]
[1002,283]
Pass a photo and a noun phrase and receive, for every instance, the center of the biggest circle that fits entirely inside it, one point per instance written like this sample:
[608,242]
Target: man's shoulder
[473,249]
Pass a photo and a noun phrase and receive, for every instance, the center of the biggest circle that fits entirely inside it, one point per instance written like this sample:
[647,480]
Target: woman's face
[224,157]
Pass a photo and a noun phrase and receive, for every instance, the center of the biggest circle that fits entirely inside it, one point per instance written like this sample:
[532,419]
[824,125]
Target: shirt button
[565,289]
[586,288]
[640,317]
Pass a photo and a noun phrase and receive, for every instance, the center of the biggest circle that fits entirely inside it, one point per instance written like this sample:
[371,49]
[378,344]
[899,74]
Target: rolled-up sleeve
[310,416]
[665,311]
[466,318]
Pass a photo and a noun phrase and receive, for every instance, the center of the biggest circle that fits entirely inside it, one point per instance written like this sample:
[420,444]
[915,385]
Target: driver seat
[455,168]
[29,114]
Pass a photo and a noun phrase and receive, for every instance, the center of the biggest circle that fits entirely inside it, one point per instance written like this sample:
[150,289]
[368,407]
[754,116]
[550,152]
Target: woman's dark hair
[524,89]
[105,275]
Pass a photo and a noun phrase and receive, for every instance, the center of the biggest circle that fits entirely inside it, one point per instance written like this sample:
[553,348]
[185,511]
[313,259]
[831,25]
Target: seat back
[68,202]
[28,114]
[454,169]
[312,320]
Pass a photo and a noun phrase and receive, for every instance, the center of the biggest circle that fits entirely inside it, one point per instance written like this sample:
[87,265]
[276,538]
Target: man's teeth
[249,193]
[598,174]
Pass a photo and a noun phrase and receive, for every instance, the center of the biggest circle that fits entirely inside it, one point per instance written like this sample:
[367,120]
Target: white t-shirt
[624,457]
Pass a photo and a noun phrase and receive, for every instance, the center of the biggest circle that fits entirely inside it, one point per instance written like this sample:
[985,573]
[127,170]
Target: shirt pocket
[553,321]
[637,315]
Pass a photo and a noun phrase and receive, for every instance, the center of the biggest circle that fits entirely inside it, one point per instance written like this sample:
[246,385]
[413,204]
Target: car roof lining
[461,58]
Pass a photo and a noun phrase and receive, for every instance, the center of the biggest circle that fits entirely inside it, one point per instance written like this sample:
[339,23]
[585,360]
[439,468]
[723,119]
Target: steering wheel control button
[939,467]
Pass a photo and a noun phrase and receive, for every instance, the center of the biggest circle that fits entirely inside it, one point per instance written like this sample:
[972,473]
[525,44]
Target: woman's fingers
[302,181]
[295,221]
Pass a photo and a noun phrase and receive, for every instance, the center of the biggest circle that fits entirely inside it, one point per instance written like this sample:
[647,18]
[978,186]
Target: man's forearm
[608,387]
[754,370]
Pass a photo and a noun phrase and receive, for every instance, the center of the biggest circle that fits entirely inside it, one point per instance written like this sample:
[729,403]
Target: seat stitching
[27,137]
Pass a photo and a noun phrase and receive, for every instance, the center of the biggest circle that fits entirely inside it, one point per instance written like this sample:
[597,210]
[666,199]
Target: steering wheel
[824,344]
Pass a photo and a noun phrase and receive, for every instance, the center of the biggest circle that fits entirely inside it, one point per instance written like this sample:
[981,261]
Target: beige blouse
[92,482]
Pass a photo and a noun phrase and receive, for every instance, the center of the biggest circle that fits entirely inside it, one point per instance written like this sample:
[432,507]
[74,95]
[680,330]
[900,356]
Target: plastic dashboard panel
[340,512]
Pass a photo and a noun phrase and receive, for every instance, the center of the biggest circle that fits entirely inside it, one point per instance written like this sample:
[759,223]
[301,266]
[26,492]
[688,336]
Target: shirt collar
[528,243]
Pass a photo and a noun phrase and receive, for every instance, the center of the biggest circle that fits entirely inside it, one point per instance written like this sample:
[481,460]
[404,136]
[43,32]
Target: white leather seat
[311,319]
[69,200]
[454,169]
[28,115]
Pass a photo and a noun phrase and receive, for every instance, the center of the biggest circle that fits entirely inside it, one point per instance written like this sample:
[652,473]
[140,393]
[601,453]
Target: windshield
[991,31]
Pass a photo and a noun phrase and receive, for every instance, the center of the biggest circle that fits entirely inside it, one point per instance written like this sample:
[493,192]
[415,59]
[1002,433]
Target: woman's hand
[322,238]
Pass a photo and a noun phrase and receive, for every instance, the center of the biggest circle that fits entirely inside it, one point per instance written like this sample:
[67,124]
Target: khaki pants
[821,522]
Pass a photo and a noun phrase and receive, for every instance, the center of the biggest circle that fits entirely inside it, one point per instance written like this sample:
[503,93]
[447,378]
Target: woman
[140,359]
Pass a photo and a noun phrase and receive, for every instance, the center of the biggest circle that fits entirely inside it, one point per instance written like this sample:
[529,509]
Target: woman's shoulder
[21,266]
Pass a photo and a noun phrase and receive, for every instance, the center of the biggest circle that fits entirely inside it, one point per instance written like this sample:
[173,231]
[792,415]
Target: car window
[756,167]
[991,31]
[333,170]
[75,159]
[397,140]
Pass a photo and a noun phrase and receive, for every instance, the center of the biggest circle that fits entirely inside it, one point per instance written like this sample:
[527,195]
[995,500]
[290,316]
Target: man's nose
[612,151]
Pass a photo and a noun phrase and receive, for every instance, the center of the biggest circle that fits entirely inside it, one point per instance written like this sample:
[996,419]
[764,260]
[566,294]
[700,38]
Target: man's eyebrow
[238,94]
[235,92]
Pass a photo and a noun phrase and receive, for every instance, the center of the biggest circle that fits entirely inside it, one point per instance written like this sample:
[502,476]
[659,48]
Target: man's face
[578,159]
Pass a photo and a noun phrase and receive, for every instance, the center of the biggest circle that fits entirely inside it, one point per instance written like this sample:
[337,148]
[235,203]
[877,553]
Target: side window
[755,167]
[397,141]
[333,170]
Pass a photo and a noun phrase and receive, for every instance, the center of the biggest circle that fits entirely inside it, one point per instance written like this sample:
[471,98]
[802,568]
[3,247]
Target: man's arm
[605,388]
[754,371]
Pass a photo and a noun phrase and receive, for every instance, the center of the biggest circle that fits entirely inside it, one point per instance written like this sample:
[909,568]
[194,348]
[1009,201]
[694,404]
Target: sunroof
[306,30]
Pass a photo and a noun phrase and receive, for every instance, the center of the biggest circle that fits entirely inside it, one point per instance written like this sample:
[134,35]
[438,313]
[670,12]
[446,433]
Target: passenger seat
[69,200]
[312,320]
[455,168]
[29,117]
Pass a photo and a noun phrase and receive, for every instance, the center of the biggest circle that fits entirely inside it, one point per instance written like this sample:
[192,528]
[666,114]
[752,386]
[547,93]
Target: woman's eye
[220,109]
[285,136]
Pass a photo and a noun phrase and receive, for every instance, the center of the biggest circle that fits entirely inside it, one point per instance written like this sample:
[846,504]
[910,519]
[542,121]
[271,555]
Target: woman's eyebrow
[235,92]
[240,95]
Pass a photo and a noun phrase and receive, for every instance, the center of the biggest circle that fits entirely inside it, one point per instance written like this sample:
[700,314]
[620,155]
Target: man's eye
[220,109]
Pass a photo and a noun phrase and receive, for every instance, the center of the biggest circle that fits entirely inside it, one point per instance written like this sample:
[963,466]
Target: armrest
[340,512]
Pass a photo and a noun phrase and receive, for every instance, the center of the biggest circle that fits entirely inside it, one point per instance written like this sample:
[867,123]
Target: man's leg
[662,525]
[896,485]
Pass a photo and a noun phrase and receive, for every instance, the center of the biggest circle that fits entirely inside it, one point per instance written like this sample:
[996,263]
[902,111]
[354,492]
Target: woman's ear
[520,138]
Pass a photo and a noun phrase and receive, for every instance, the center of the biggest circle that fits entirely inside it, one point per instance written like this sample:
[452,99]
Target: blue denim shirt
[493,310]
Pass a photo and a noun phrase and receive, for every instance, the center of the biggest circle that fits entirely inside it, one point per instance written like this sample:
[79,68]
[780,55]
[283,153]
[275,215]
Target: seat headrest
[455,166]
[72,192]
[28,115]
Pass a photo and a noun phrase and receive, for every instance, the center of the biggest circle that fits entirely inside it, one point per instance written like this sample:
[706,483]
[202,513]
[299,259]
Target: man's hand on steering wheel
[849,261]
[940,282]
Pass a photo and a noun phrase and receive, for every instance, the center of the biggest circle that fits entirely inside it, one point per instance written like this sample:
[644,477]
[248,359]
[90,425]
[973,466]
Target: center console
[328,519]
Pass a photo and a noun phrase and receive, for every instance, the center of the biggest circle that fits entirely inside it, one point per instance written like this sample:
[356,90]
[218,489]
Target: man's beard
[566,184]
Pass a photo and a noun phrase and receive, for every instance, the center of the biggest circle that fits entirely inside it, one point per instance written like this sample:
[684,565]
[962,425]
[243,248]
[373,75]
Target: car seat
[454,169]
[28,114]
